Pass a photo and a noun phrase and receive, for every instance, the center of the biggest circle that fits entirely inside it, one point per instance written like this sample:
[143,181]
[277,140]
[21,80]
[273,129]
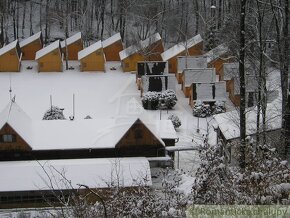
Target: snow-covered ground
[112,94]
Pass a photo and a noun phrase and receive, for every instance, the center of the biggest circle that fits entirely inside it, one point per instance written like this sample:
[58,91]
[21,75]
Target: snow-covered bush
[219,107]
[54,113]
[217,182]
[201,110]
[151,100]
[169,98]
[175,121]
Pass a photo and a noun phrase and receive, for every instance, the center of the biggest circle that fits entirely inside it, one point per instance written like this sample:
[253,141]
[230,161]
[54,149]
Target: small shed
[74,45]
[187,62]
[203,75]
[149,49]
[194,47]
[31,45]
[207,92]
[10,57]
[50,58]
[92,58]
[217,57]
[112,46]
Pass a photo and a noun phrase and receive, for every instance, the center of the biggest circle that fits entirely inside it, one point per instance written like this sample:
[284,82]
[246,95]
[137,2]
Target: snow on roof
[204,91]
[216,52]
[18,120]
[47,49]
[180,47]
[161,129]
[141,45]
[77,134]
[251,82]
[30,39]
[184,62]
[88,50]
[229,122]
[71,39]
[231,70]
[8,47]
[111,40]
[205,75]
[95,173]
[150,40]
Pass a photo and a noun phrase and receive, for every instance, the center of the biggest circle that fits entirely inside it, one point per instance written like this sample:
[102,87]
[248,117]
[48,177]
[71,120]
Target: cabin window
[8,138]
[138,134]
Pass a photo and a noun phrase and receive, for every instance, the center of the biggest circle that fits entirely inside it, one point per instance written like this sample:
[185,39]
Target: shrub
[170,98]
[54,113]
[151,100]
[201,110]
[175,121]
[219,107]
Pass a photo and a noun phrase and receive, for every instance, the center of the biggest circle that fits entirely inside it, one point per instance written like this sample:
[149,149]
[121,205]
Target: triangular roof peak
[138,121]
[8,47]
[30,39]
[88,50]
[18,120]
[216,52]
[71,39]
[47,49]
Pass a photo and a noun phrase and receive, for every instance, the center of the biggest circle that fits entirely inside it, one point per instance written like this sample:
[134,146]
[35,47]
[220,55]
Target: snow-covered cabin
[187,62]
[228,127]
[31,45]
[83,138]
[217,57]
[193,47]
[10,57]
[208,92]
[199,75]
[49,58]
[112,46]
[32,183]
[74,45]
[92,58]
[149,49]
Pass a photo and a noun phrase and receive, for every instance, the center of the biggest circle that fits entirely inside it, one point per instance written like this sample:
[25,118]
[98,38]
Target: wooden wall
[155,51]
[9,62]
[218,65]
[140,138]
[19,144]
[93,62]
[130,63]
[29,50]
[112,51]
[51,62]
[73,49]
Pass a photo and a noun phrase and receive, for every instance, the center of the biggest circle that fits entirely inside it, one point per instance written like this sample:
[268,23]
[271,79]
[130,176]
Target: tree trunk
[242,52]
